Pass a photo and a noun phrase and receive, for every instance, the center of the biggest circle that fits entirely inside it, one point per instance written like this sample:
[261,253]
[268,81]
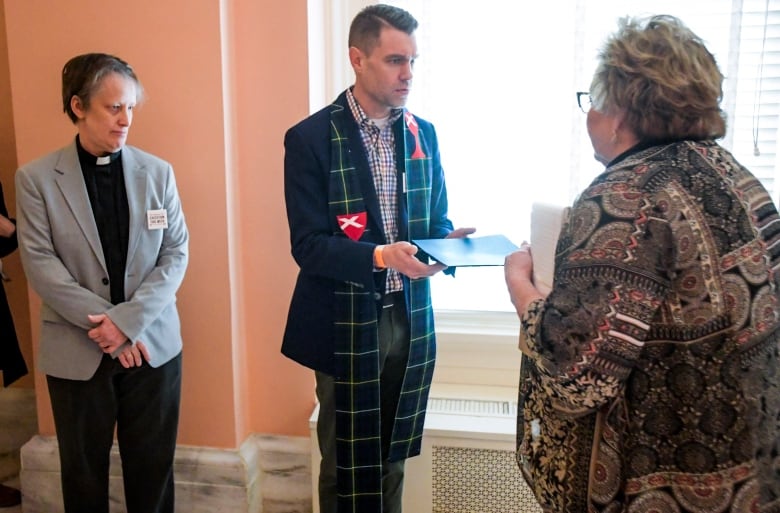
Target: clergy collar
[87,157]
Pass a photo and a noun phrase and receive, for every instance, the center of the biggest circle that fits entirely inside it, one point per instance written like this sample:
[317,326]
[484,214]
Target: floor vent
[472,407]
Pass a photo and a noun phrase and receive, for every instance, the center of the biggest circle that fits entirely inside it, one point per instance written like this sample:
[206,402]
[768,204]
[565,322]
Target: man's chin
[400,100]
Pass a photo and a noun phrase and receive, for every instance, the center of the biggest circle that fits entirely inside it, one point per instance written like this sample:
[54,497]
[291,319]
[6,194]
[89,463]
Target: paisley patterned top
[653,381]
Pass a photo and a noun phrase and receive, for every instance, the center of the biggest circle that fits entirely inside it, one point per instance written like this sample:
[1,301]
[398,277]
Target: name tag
[157,219]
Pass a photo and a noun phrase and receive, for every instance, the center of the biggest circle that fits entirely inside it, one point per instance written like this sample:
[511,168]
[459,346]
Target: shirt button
[105,281]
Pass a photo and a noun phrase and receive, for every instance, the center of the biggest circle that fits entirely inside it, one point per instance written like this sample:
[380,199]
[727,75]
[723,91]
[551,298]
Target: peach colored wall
[223,79]
[16,289]
[271,95]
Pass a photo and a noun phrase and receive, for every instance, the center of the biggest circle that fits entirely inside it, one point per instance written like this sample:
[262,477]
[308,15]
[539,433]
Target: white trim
[499,326]
[476,349]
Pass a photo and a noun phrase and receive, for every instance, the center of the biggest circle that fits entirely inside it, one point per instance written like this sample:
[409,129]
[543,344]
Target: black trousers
[393,358]
[11,360]
[143,404]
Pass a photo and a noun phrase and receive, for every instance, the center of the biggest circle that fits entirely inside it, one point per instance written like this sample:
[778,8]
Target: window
[498,79]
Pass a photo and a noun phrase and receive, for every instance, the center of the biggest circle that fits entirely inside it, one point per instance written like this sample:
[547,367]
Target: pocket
[543,442]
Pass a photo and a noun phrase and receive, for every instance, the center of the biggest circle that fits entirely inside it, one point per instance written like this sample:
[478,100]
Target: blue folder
[489,250]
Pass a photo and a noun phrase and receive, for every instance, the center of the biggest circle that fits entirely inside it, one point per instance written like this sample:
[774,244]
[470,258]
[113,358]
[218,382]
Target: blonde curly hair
[661,75]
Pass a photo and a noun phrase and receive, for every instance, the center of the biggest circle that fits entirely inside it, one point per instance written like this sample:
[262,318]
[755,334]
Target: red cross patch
[353,225]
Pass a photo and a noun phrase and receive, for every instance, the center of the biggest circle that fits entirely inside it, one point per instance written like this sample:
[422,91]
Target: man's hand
[459,233]
[400,256]
[106,334]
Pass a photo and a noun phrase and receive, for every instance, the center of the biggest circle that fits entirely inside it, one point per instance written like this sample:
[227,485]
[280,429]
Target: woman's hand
[519,265]
[7,228]
[518,273]
[133,355]
[106,334]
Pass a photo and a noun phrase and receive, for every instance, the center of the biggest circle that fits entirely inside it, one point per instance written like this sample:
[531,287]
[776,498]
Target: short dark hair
[81,77]
[369,22]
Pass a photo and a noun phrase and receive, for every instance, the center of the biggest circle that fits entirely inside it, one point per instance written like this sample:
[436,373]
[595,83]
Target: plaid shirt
[380,149]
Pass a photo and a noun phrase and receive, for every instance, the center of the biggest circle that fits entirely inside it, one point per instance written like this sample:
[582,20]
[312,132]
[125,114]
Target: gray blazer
[63,260]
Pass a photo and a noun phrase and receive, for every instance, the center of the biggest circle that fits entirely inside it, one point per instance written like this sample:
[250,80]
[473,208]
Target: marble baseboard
[268,474]
[18,422]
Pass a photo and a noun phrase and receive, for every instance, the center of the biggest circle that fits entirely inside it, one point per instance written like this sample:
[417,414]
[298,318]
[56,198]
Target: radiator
[467,464]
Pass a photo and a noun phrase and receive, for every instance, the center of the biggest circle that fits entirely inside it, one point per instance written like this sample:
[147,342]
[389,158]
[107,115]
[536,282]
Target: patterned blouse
[653,381]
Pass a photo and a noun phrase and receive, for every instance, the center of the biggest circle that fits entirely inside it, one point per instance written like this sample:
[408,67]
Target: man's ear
[356,57]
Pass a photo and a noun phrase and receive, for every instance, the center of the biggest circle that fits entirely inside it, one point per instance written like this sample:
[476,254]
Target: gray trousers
[393,358]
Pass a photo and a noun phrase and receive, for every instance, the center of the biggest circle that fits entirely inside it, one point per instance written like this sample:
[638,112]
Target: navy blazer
[324,258]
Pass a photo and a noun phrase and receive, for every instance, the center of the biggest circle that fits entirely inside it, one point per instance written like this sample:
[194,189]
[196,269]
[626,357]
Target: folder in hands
[489,250]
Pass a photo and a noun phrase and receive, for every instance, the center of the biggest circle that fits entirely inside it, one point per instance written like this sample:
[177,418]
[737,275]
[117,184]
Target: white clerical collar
[103,161]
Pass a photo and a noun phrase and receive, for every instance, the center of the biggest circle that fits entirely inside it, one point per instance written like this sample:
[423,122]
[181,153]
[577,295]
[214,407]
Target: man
[362,178]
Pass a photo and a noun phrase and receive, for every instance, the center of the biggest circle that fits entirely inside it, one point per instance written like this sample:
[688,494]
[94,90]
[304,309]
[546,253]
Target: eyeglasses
[583,101]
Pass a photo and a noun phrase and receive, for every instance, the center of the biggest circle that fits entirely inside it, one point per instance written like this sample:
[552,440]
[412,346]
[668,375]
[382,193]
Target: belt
[392,298]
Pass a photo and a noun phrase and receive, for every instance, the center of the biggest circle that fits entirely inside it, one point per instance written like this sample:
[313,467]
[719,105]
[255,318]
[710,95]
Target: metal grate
[469,480]
[472,407]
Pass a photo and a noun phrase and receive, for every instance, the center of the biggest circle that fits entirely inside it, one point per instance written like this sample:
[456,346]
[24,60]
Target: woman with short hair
[651,376]
[104,244]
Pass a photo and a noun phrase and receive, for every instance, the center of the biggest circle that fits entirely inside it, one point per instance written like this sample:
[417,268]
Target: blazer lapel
[70,180]
[360,161]
[135,184]
[401,151]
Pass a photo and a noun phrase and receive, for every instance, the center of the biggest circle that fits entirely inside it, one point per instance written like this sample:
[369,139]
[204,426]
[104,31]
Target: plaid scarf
[358,444]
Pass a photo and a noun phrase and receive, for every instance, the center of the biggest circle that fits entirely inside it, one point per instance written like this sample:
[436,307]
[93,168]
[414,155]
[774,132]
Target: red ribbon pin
[415,130]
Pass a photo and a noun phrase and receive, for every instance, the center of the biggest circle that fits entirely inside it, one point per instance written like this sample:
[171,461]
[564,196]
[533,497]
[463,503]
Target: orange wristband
[378,260]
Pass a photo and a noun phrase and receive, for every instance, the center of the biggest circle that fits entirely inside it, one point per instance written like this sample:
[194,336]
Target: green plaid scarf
[358,445]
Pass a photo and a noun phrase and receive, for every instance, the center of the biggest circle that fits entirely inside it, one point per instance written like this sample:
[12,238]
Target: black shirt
[108,197]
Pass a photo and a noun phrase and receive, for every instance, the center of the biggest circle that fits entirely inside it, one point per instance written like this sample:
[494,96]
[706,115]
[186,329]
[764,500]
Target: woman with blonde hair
[650,377]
